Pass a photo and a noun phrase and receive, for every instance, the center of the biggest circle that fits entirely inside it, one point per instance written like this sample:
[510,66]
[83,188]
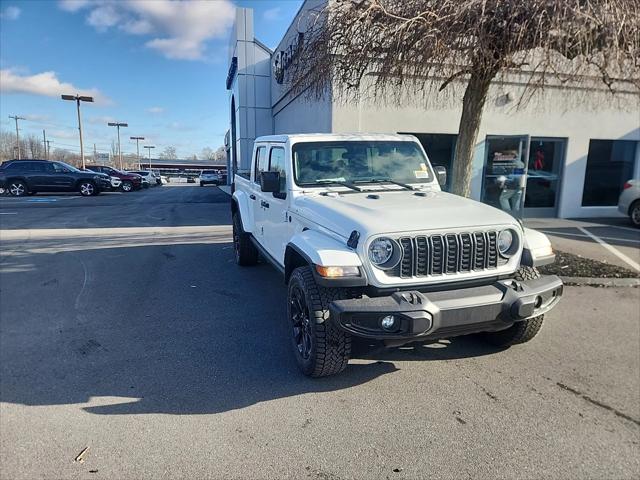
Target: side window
[277,164]
[261,163]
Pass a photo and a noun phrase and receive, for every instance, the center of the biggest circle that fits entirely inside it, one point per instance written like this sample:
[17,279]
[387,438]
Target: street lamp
[118,125]
[78,99]
[149,147]
[137,139]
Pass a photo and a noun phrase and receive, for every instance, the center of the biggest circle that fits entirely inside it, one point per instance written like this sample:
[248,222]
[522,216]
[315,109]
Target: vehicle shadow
[175,329]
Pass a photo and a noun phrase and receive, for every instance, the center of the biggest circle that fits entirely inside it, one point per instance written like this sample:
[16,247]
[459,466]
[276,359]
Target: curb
[225,188]
[601,282]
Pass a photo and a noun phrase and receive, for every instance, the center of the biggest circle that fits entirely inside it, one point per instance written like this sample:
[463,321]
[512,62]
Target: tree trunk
[472,106]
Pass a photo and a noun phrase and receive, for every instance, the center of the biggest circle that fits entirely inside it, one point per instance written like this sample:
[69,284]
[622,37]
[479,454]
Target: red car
[130,181]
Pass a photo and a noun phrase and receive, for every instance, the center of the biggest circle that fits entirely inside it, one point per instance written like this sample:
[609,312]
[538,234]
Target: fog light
[388,323]
[538,303]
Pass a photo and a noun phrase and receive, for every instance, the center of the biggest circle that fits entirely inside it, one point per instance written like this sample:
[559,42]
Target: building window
[610,163]
[440,148]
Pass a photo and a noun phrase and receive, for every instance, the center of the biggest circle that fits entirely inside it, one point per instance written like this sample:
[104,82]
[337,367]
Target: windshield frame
[429,169]
[70,167]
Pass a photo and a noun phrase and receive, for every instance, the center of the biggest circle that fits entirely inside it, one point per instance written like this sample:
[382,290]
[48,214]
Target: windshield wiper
[338,182]
[386,180]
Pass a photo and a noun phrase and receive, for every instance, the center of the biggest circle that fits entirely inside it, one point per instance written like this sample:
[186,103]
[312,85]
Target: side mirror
[441,175]
[270,182]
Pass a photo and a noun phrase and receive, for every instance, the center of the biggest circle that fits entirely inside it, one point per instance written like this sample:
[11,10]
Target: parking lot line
[613,250]
[8,213]
[581,235]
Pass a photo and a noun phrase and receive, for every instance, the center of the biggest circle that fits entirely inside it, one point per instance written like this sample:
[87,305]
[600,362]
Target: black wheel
[246,252]
[320,348]
[201,184]
[126,186]
[634,213]
[18,188]
[519,332]
[87,189]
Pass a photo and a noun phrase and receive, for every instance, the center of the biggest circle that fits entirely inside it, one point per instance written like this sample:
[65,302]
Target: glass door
[546,158]
[505,172]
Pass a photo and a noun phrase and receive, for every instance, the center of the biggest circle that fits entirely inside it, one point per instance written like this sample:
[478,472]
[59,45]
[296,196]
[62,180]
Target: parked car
[164,179]
[209,177]
[147,176]
[371,248]
[28,177]
[191,180]
[629,201]
[130,181]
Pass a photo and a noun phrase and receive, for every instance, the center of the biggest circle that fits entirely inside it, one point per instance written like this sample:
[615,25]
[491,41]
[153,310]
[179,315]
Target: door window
[505,173]
[276,164]
[261,163]
[59,168]
[546,157]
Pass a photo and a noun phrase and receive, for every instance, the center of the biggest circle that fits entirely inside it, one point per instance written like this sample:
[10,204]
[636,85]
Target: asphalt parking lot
[126,327]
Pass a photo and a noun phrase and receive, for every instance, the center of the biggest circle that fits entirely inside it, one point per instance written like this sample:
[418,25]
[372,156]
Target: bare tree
[169,153]
[371,47]
[207,154]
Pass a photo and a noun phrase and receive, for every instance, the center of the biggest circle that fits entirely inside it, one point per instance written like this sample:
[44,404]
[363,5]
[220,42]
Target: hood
[376,212]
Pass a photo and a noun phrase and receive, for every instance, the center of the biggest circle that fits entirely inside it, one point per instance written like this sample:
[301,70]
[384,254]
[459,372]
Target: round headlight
[380,251]
[505,241]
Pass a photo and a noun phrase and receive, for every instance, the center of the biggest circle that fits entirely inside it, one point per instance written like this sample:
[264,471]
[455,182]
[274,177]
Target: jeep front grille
[450,253]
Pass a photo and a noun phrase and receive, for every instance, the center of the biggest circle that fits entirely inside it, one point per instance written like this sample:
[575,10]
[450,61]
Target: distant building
[576,158]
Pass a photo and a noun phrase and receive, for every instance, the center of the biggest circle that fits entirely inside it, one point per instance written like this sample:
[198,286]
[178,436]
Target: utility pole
[95,154]
[118,125]
[49,149]
[44,144]
[16,118]
[149,147]
[137,139]
[79,99]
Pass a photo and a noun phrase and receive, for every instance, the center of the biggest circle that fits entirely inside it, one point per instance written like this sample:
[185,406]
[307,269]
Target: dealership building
[574,147]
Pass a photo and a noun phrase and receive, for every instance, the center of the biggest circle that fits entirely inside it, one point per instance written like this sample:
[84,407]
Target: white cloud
[10,13]
[155,110]
[272,14]
[100,120]
[72,5]
[179,29]
[46,84]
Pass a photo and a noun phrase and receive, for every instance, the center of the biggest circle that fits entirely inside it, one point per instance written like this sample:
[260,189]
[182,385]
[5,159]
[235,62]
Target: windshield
[208,172]
[318,163]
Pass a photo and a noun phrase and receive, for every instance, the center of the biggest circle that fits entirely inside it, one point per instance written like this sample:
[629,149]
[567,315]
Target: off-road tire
[246,253]
[330,347]
[634,213]
[519,332]
[201,184]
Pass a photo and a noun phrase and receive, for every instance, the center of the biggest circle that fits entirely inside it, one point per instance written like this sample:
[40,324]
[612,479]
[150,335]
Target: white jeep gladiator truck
[370,247]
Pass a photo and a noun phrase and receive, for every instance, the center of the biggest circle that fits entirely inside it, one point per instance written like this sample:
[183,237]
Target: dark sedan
[28,177]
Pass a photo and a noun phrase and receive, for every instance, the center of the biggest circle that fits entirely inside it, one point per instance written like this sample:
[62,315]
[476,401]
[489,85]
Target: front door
[62,178]
[275,220]
[546,157]
[505,172]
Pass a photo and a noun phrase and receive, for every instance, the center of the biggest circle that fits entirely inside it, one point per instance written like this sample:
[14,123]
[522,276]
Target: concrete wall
[251,87]
[561,113]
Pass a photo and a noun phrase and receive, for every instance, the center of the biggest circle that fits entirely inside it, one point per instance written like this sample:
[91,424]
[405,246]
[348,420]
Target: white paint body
[318,221]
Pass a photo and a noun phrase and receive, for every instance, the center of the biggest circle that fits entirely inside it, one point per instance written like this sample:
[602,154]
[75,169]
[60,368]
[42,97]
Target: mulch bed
[570,265]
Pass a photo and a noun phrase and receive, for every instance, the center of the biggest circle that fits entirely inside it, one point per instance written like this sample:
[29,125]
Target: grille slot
[450,253]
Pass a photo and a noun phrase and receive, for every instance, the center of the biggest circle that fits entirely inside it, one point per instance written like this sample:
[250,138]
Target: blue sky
[157,64]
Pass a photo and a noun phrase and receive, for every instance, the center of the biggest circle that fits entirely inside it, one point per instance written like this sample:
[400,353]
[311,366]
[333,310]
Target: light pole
[149,147]
[137,139]
[16,118]
[78,99]
[118,125]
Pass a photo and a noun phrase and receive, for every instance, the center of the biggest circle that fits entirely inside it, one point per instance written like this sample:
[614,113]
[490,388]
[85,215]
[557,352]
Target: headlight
[506,242]
[384,253]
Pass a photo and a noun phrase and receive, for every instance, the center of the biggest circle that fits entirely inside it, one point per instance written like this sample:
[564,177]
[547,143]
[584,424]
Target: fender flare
[240,203]
[314,248]
[536,249]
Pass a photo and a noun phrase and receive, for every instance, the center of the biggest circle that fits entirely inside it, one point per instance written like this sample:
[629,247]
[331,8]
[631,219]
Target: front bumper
[448,313]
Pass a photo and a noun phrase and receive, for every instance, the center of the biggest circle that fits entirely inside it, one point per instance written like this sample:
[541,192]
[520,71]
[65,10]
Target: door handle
[264,204]
[252,196]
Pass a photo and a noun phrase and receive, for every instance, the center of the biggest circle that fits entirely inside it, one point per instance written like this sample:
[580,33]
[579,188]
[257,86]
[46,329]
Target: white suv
[370,247]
